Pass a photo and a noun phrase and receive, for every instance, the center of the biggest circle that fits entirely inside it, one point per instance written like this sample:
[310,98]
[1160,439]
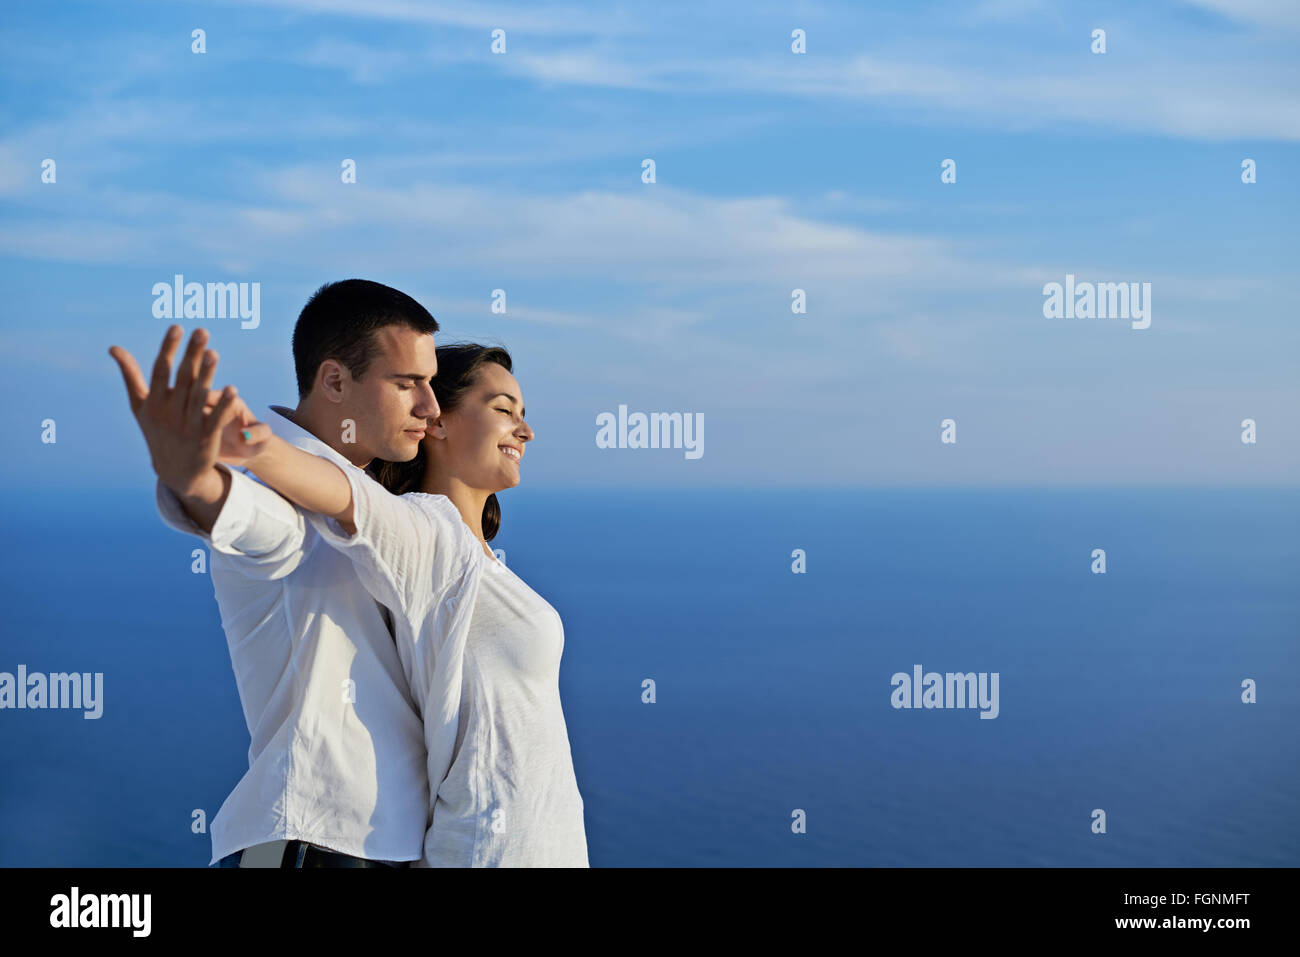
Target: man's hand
[183,424]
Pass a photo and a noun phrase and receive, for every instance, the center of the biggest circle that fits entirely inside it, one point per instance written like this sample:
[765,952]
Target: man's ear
[332,378]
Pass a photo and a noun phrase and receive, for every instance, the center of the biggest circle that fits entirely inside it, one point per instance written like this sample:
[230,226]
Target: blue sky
[775,172]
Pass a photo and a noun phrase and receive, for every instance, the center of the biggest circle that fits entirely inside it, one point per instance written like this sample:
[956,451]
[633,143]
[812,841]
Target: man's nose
[427,405]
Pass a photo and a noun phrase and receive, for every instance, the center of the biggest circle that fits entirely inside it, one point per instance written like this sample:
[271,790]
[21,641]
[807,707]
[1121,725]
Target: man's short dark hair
[340,320]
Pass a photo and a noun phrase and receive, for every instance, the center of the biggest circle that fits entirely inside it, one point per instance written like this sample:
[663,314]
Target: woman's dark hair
[458,368]
[340,321]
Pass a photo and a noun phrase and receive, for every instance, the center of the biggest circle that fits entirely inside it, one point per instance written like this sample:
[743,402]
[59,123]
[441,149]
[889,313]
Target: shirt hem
[290,834]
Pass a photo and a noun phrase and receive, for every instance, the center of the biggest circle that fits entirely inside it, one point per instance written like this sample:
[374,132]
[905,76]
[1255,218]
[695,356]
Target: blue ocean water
[1119,691]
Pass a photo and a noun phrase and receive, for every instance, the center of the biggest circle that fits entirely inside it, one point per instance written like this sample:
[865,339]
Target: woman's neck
[468,501]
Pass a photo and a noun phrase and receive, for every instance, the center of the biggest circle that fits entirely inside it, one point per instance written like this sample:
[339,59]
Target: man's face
[393,401]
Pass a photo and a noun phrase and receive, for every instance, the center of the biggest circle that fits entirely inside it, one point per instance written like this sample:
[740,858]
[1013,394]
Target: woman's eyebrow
[508,396]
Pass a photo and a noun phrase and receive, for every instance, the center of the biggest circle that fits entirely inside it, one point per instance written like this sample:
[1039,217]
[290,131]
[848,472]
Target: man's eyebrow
[508,396]
[409,375]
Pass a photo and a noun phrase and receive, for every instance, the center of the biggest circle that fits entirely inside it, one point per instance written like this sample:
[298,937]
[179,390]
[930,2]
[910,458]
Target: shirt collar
[296,435]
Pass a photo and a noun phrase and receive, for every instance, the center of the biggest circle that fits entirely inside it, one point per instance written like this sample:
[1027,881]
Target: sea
[730,676]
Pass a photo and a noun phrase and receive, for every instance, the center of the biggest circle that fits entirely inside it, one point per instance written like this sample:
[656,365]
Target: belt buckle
[270,854]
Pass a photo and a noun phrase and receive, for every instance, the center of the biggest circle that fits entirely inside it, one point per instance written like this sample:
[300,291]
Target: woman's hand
[243,438]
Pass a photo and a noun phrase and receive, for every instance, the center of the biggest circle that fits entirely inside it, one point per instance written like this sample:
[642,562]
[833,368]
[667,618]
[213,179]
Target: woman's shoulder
[435,504]
[443,512]
[427,497]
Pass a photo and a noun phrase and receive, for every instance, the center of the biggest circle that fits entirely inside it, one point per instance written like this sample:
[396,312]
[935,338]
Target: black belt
[301,854]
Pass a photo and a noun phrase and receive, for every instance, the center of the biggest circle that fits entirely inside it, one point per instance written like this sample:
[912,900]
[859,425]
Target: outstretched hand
[189,427]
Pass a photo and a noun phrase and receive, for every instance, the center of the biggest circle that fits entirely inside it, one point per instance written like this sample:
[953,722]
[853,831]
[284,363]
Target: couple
[400,684]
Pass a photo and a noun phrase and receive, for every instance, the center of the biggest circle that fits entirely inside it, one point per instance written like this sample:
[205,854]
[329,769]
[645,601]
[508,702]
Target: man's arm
[182,423]
[182,426]
[258,530]
[206,499]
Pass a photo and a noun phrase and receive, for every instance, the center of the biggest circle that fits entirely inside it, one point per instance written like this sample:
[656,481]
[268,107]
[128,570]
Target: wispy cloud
[1270,13]
[776,172]
[1177,84]
[1174,98]
[529,18]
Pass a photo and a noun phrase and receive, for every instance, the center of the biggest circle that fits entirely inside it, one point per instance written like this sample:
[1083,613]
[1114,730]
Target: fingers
[221,414]
[245,415]
[228,434]
[230,408]
[201,390]
[188,370]
[255,434]
[245,443]
[216,422]
[136,390]
[162,366]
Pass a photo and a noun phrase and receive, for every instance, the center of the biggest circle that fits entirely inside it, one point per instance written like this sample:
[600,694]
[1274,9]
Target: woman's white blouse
[481,651]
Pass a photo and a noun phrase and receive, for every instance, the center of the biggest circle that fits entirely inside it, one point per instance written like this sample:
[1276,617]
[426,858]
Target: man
[337,774]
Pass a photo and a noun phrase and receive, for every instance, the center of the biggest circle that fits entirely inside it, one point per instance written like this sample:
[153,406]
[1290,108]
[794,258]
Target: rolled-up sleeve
[258,529]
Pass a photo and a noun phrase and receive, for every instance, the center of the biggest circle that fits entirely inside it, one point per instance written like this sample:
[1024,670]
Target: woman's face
[481,442]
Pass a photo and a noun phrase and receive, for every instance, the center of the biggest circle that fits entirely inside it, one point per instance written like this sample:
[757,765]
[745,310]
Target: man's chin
[403,451]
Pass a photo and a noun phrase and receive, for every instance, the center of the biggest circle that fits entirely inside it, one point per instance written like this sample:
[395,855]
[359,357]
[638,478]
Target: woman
[481,649]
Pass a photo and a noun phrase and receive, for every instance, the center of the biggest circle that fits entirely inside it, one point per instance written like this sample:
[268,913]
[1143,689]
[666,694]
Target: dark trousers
[302,854]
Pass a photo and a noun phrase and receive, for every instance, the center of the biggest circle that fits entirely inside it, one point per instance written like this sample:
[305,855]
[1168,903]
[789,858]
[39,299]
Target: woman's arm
[405,555]
[310,481]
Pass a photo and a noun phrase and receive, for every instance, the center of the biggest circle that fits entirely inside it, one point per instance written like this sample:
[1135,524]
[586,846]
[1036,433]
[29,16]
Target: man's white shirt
[337,754]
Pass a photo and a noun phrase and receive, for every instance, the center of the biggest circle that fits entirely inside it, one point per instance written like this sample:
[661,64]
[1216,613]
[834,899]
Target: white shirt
[336,753]
[482,656]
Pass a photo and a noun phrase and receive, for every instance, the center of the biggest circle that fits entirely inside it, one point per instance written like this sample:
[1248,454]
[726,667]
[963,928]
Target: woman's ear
[436,427]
